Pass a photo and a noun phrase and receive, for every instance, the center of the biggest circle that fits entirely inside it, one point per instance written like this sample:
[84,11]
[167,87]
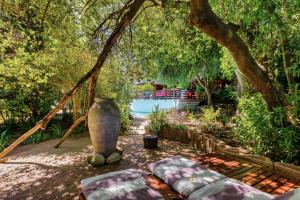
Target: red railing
[170,94]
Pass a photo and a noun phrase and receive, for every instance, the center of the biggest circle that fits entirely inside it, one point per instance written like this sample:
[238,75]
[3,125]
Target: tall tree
[202,16]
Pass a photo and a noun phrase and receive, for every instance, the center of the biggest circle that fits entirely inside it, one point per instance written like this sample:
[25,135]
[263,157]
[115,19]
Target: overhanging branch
[93,73]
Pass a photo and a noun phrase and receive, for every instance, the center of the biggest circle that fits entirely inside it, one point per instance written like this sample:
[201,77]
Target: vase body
[104,123]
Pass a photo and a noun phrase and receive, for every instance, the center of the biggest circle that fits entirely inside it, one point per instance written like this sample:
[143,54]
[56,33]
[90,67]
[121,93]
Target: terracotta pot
[104,124]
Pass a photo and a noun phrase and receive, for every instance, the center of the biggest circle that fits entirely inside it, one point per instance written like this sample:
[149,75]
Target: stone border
[209,144]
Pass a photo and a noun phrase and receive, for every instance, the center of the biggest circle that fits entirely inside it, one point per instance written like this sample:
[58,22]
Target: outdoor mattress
[121,185]
[229,189]
[196,182]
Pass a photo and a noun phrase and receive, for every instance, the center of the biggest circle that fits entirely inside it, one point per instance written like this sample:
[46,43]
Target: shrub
[125,115]
[3,140]
[224,119]
[209,117]
[192,116]
[227,95]
[294,100]
[54,131]
[179,127]
[267,133]
[157,120]
[37,137]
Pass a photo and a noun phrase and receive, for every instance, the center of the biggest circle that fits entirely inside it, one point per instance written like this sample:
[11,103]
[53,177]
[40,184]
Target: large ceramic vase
[104,126]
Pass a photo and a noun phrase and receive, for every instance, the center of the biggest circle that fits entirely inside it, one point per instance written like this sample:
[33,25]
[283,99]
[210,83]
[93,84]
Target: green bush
[224,119]
[226,95]
[157,120]
[54,131]
[3,140]
[192,116]
[125,116]
[178,127]
[209,117]
[267,133]
[294,100]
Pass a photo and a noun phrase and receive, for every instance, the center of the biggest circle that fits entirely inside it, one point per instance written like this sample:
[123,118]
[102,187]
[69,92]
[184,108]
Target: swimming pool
[142,107]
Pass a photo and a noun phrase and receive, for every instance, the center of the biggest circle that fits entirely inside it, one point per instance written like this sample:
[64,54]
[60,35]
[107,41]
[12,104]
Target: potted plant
[157,120]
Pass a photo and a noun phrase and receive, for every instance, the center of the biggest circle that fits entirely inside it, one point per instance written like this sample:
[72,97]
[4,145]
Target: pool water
[142,107]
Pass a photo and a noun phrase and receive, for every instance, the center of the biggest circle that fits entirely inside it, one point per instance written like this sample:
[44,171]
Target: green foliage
[125,116]
[54,131]
[227,95]
[209,117]
[264,131]
[199,89]
[3,140]
[178,127]
[265,26]
[39,61]
[224,119]
[294,100]
[192,116]
[38,137]
[143,87]
[157,121]
[228,65]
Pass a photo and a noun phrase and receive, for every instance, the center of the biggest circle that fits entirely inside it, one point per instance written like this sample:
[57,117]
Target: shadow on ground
[38,171]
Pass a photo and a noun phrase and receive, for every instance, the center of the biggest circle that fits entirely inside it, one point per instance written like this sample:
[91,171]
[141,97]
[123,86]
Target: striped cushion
[183,175]
[291,195]
[189,179]
[163,167]
[126,184]
[229,189]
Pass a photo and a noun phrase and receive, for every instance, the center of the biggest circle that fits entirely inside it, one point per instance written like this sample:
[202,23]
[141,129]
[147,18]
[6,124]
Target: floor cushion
[229,189]
[163,167]
[121,185]
[189,179]
[291,195]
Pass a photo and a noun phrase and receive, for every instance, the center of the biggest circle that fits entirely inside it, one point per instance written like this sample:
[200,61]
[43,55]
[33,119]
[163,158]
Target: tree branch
[70,130]
[133,9]
[202,16]
[45,12]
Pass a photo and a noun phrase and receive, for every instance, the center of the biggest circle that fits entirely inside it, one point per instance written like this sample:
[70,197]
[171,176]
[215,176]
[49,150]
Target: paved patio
[39,171]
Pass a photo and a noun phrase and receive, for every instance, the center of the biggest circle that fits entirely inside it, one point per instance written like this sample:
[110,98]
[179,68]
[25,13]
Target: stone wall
[209,144]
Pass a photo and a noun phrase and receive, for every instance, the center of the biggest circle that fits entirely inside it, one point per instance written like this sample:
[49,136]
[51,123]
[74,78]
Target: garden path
[38,171]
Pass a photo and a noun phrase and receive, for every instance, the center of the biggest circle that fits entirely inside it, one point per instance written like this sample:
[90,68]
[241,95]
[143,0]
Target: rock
[119,150]
[114,157]
[96,160]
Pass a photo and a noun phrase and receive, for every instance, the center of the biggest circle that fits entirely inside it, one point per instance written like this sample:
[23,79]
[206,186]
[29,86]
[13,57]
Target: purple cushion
[183,175]
[126,184]
[163,167]
[229,189]
[291,195]
[187,180]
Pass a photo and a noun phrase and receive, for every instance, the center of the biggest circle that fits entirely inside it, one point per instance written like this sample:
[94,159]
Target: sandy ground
[38,171]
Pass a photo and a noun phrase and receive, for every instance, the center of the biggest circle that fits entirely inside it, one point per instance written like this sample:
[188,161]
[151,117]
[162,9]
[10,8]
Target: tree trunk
[208,88]
[202,16]
[209,96]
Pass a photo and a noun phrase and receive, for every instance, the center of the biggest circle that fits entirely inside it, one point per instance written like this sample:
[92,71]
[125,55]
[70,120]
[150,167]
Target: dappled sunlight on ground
[38,171]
